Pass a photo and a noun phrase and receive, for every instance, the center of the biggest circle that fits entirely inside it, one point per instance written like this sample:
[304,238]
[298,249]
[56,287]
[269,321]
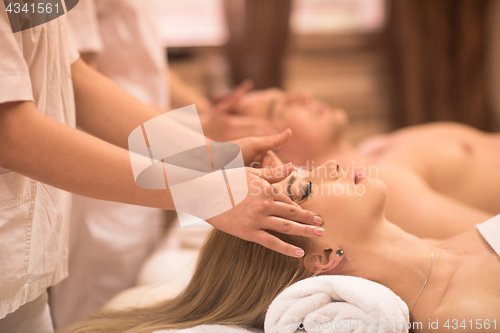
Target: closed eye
[304,190]
[307,191]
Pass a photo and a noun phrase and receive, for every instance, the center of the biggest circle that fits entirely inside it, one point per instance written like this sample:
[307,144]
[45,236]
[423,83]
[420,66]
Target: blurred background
[389,63]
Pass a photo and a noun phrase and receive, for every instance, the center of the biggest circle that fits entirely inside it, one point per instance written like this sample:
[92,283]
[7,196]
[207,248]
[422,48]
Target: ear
[321,263]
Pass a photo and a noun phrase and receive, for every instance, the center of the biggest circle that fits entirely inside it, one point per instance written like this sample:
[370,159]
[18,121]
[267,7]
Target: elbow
[12,130]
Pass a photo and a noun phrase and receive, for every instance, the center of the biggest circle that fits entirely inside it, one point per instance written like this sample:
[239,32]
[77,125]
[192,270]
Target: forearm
[104,109]
[181,94]
[41,148]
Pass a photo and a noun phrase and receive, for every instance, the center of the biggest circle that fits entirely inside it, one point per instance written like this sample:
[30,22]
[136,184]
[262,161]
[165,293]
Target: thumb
[270,159]
[272,142]
[273,175]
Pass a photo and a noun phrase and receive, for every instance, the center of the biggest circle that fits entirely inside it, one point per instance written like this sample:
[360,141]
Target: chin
[340,117]
[380,189]
[338,125]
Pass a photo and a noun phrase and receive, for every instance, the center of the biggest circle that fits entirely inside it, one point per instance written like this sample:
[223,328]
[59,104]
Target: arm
[420,210]
[43,149]
[181,94]
[104,109]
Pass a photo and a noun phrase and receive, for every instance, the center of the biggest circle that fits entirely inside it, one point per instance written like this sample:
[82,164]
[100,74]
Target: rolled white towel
[213,329]
[325,304]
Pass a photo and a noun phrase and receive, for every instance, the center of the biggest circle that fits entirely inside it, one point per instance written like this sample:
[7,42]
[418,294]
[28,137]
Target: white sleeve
[15,82]
[83,27]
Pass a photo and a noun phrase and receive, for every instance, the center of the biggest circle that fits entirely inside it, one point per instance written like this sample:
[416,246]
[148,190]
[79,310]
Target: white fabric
[32,317]
[213,329]
[34,66]
[337,304]
[490,230]
[83,26]
[109,241]
[174,260]
[125,36]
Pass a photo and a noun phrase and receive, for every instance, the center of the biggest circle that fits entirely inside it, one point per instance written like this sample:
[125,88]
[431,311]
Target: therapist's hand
[254,149]
[263,209]
[235,95]
[227,126]
[221,122]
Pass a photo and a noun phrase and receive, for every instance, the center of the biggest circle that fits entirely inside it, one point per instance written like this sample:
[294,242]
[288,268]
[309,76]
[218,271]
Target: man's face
[314,124]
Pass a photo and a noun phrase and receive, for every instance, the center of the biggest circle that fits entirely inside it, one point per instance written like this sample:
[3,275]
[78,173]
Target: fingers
[274,243]
[295,213]
[272,142]
[235,94]
[273,175]
[285,199]
[257,126]
[244,87]
[227,106]
[288,227]
[271,160]
[250,126]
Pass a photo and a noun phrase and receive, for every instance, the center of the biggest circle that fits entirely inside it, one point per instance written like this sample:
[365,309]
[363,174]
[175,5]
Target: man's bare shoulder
[437,127]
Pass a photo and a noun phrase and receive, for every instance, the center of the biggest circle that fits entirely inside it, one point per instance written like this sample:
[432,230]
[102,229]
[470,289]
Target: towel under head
[213,329]
[326,304]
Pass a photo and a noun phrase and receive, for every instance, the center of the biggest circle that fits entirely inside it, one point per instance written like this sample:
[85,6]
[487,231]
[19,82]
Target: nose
[327,171]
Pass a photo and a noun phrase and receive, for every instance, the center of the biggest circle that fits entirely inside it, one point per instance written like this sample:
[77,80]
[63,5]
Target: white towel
[490,230]
[213,329]
[325,304]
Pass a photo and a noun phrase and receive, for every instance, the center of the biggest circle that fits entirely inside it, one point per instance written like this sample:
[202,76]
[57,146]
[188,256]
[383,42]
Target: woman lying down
[235,281]
[439,175]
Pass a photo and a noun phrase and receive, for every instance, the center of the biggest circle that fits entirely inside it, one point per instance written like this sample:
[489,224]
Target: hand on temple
[265,208]
[222,124]
[226,126]
[255,149]
[236,94]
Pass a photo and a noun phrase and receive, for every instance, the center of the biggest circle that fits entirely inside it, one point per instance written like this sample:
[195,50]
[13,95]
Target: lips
[359,177]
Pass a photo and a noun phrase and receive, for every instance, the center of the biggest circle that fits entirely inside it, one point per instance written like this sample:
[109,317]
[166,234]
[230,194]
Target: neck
[391,257]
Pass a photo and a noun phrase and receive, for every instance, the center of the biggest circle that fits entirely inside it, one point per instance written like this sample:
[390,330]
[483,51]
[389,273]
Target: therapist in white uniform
[109,241]
[34,67]
[43,86]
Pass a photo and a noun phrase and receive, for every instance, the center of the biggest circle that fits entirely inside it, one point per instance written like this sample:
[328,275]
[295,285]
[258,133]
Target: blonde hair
[234,283]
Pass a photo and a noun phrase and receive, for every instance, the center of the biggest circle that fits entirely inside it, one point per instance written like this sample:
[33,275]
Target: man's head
[315,125]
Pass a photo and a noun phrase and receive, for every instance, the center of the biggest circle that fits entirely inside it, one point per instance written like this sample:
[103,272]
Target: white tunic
[109,241]
[125,36]
[35,66]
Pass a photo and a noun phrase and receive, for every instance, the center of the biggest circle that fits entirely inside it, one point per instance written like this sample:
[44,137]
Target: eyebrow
[290,183]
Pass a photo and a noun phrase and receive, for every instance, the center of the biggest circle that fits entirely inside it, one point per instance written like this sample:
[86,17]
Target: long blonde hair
[234,283]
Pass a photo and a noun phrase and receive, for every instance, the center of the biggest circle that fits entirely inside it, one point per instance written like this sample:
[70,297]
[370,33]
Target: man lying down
[235,281]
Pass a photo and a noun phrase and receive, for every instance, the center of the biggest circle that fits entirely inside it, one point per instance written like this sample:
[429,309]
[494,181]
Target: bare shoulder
[420,210]
[438,127]
[470,315]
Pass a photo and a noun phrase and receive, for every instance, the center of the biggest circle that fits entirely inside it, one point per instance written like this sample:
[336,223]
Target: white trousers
[108,243]
[32,317]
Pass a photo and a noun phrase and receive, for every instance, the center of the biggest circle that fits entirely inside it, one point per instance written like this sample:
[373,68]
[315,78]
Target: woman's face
[346,201]
[314,124]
